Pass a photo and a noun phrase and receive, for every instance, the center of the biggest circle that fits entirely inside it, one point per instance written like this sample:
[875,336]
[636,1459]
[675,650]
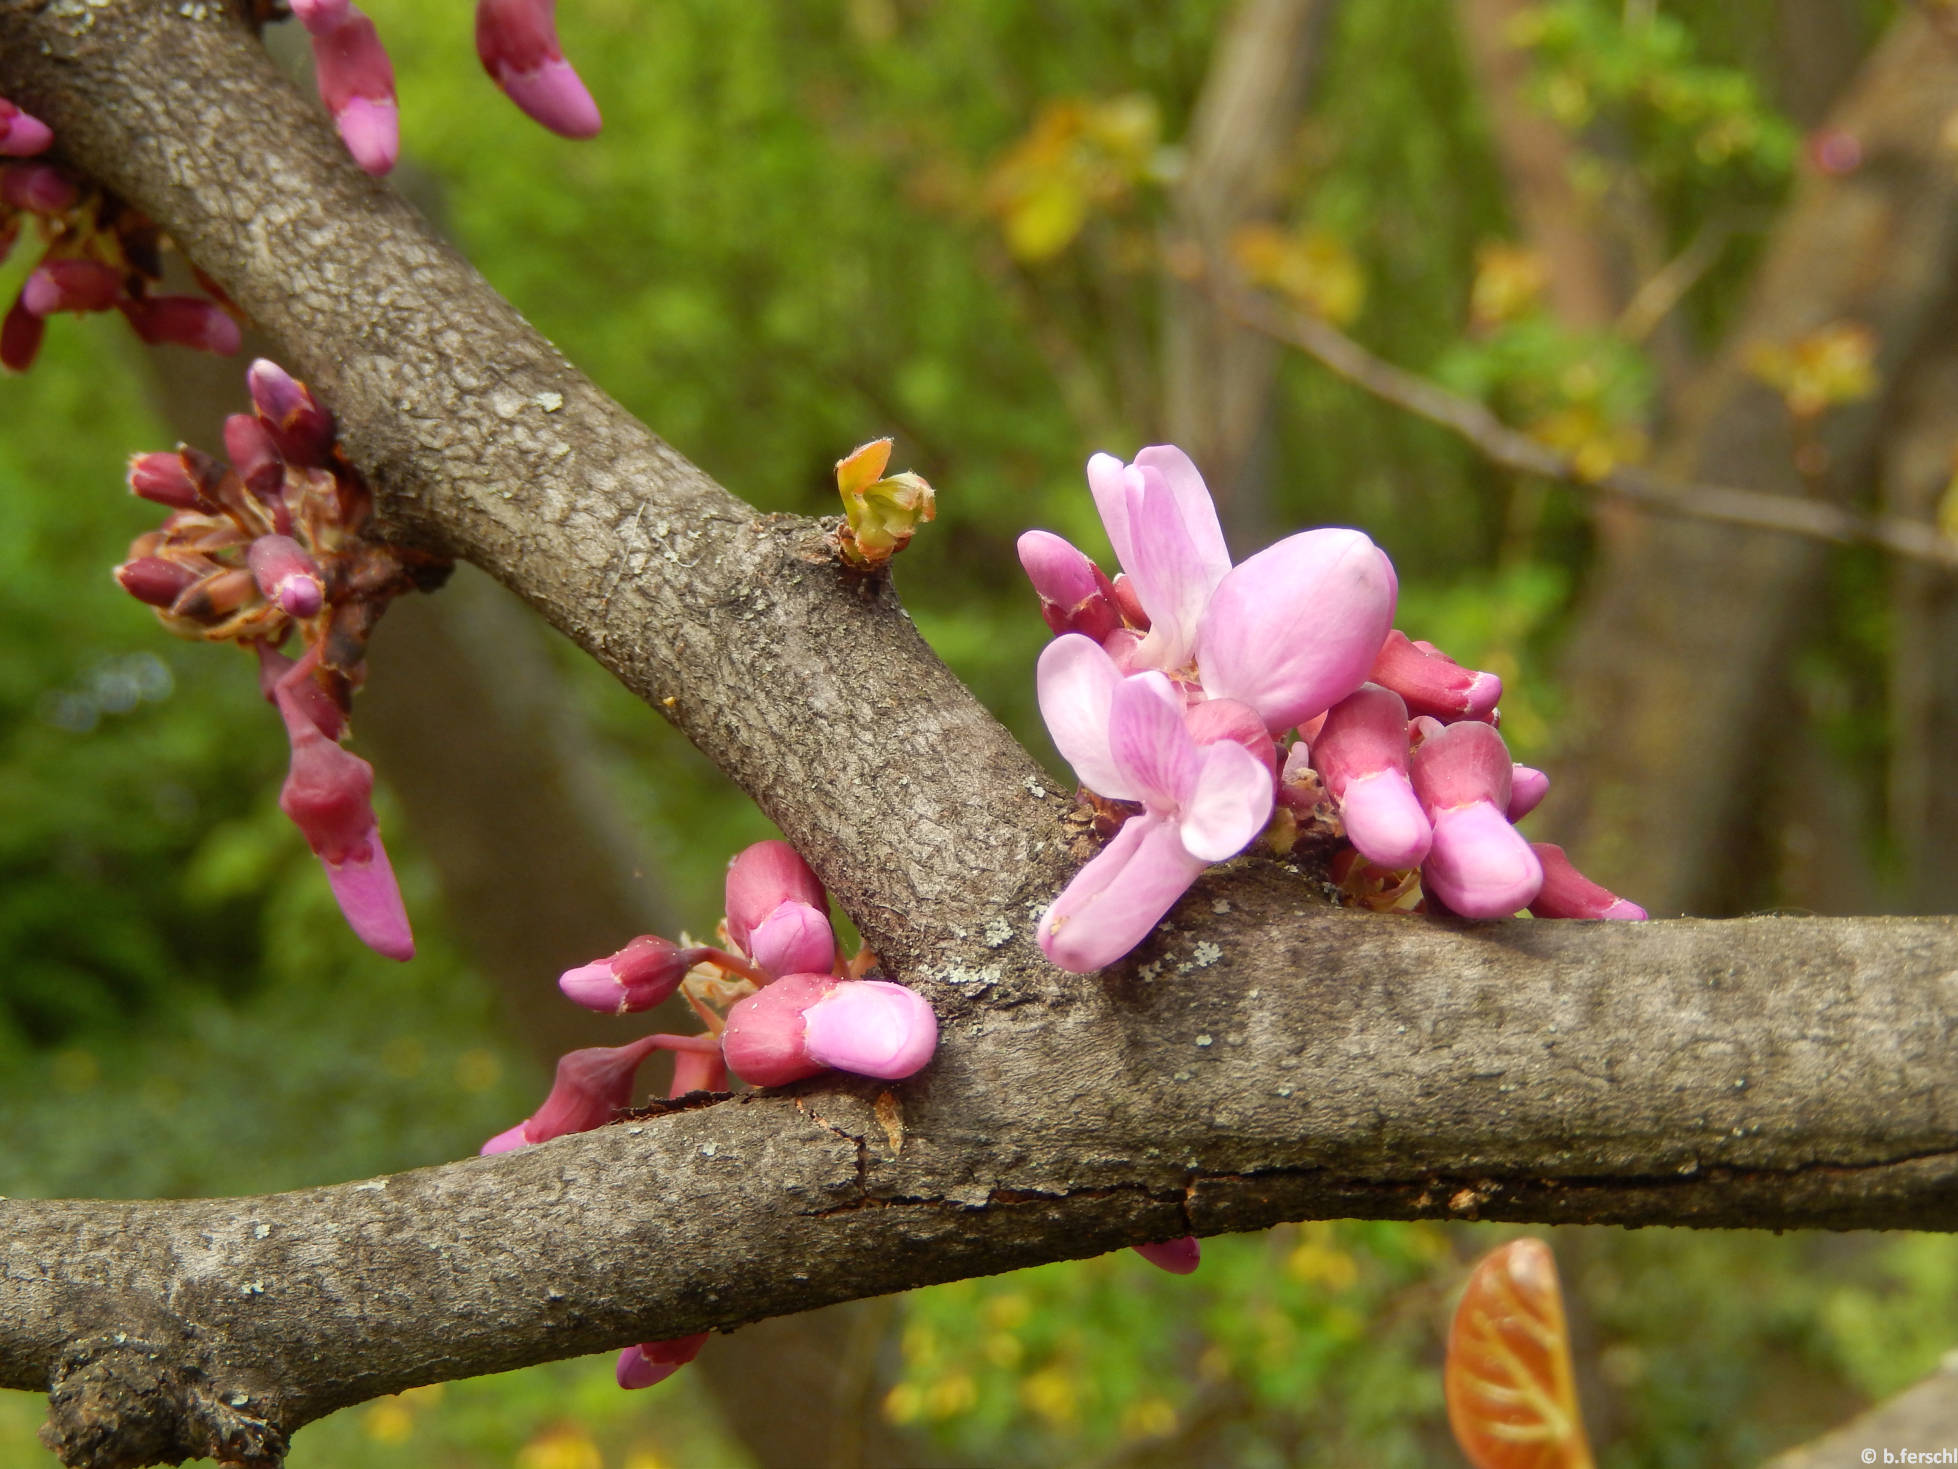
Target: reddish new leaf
[1512,1400]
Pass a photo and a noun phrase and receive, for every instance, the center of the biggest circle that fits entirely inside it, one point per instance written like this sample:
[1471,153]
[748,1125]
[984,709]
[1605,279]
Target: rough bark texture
[1679,663]
[1263,1058]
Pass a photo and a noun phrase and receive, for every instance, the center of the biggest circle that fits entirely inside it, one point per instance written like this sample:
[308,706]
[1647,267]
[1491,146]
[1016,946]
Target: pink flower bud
[20,337]
[155,580]
[1433,683]
[327,795]
[643,974]
[1122,590]
[163,479]
[697,1071]
[871,1028]
[320,17]
[356,81]
[1527,788]
[1177,1256]
[517,41]
[1361,754]
[287,575]
[300,428]
[763,1041]
[1479,865]
[763,878]
[248,444]
[1075,594]
[1568,893]
[183,321]
[591,1085]
[506,1141]
[655,1361]
[39,188]
[21,136]
[794,939]
[70,285]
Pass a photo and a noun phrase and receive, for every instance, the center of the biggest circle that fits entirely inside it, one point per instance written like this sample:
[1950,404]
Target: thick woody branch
[1264,1058]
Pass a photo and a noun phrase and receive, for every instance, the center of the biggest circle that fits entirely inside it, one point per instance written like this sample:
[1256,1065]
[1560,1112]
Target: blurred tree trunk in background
[1678,664]
[1217,375]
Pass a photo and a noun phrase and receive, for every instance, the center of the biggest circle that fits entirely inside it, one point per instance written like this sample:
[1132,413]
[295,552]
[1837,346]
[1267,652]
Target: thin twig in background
[1505,446]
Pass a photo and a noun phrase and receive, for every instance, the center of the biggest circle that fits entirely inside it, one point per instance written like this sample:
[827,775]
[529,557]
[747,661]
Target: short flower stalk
[779,1002]
[1204,704]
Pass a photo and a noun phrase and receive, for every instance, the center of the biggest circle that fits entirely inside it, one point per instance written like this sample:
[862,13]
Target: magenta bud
[1361,753]
[794,939]
[1527,788]
[328,794]
[763,878]
[356,81]
[591,1085]
[183,321]
[163,479]
[301,429]
[21,135]
[764,1038]
[248,444]
[1433,683]
[517,41]
[1460,764]
[70,285]
[39,188]
[287,575]
[1479,865]
[1568,893]
[1177,1256]
[641,975]
[871,1028]
[320,17]
[20,337]
[655,1361]
[154,580]
[1075,594]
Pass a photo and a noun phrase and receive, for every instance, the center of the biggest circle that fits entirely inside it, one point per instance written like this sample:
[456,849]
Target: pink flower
[1431,682]
[777,911]
[655,1361]
[21,135]
[1127,740]
[1568,893]
[182,321]
[590,1086]
[806,1023]
[517,41]
[1479,865]
[1177,1256]
[301,429]
[1361,754]
[287,575]
[643,974]
[70,285]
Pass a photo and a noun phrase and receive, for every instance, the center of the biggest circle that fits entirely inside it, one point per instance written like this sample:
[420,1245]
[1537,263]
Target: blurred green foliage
[783,245]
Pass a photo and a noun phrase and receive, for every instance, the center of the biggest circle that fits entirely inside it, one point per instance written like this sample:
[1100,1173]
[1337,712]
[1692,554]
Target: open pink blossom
[1126,739]
[1290,632]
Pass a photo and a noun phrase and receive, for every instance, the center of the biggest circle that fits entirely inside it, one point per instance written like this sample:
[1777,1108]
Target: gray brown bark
[1263,1058]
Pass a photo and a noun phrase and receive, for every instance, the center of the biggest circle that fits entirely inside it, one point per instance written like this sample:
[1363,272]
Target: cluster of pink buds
[99,255]
[270,545]
[779,1001]
[516,39]
[1170,689]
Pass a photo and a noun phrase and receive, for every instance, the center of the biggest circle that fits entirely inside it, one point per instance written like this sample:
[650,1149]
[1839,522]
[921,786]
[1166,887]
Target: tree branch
[1264,1058]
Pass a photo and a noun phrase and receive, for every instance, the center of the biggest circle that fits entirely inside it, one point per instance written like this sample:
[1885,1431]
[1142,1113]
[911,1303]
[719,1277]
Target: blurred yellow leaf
[1314,268]
[1831,365]
[1509,281]
[565,1447]
[1076,157]
[1596,444]
[1512,1400]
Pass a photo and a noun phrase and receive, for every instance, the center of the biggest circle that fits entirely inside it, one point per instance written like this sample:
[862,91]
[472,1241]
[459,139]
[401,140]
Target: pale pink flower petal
[1217,721]
[1294,629]
[371,129]
[1384,820]
[1177,1256]
[761,879]
[1194,505]
[1361,753]
[370,899]
[1228,804]
[1172,577]
[1479,865]
[506,1141]
[1108,482]
[1149,743]
[871,1028]
[1076,683]
[794,939]
[1115,900]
